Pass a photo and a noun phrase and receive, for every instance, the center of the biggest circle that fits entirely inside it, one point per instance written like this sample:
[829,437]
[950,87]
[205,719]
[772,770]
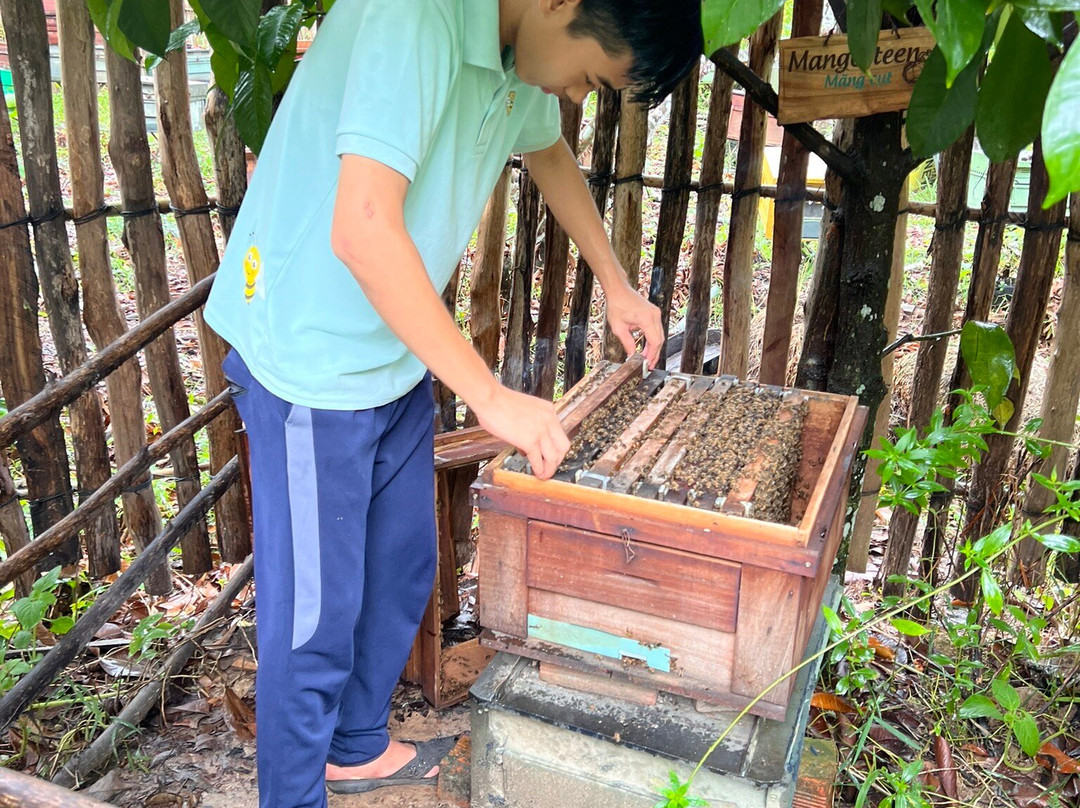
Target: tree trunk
[556,268]
[787,230]
[103,317]
[1060,400]
[946,253]
[859,547]
[739,261]
[577,332]
[183,179]
[626,205]
[871,210]
[1038,261]
[678,171]
[710,194]
[28,46]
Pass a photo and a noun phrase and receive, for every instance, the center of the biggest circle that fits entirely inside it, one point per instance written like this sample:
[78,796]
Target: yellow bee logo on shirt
[510,99]
[252,267]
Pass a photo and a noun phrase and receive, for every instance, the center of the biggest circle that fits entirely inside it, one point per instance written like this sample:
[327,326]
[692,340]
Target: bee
[510,99]
[252,266]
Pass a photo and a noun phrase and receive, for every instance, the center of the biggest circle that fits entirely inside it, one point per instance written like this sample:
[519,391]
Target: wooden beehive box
[628,566]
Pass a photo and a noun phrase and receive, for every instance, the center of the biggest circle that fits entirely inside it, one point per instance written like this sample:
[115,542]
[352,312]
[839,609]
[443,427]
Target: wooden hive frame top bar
[646,444]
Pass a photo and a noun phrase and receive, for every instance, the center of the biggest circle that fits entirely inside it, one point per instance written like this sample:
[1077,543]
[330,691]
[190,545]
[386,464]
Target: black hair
[664,37]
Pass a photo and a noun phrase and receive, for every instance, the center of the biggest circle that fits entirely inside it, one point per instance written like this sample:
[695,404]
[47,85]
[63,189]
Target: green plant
[901,789]
[852,650]
[675,795]
[20,634]
[153,634]
[1005,707]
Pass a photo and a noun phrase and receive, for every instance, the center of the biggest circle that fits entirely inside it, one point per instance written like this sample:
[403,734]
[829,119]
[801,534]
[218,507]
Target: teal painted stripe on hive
[598,642]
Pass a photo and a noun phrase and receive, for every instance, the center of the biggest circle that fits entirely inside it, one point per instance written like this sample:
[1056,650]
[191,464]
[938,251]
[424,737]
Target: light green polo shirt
[422,87]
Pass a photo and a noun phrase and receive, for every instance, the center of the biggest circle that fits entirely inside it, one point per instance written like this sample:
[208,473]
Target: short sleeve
[542,127]
[399,77]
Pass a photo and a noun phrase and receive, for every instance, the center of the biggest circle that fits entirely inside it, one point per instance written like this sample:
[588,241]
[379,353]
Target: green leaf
[992,592]
[61,625]
[179,37]
[979,707]
[990,357]
[29,612]
[147,23]
[1005,694]
[1044,24]
[236,19]
[1013,92]
[253,104]
[938,114]
[909,627]
[277,31]
[833,619]
[863,28]
[1027,733]
[104,14]
[224,61]
[1059,542]
[725,22]
[1061,130]
[1047,5]
[959,32]
[1004,411]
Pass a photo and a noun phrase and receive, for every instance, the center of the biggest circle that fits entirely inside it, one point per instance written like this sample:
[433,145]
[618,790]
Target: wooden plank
[818,768]
[632,470]
[731,538]
[601,684]
[669,459]
[461,666]
[602,643]
[765,638]
[605,465]
[841,451]
[697,653]
[818,78]
[631,371]
[641,577]
[819,433]
[503,593]
[740,498]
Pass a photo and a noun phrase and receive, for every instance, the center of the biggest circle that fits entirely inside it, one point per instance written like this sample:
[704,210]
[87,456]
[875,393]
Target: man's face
[549,57]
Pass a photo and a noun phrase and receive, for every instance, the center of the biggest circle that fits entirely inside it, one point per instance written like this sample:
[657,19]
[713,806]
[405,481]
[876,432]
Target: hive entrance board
[709,443]
[686,542]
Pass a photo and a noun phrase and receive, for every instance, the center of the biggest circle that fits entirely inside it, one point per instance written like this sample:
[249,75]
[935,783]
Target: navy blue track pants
[345,550]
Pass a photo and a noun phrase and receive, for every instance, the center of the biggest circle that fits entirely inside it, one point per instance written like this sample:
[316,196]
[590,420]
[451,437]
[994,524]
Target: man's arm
[558,176]
[370,238]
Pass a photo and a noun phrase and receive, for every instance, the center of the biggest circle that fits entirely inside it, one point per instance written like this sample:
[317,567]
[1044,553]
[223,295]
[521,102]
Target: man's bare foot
[396,755]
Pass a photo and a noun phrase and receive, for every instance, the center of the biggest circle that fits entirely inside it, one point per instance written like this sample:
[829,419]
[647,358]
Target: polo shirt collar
[481,40]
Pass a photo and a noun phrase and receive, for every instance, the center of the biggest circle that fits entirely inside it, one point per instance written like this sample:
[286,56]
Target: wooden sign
[819,79]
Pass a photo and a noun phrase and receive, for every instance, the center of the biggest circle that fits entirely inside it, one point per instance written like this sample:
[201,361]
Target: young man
[372,179]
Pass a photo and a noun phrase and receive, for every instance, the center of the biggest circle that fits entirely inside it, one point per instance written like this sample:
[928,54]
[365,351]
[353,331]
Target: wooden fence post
[28,45]
[103,317]
[22,374]
[603,153]
[230,157]
[519,325]
[946,253]
[183,179]
[626,206]
[1038,260]
[787,229]
[675,199]
[710,194]
[739,261]
[556,269]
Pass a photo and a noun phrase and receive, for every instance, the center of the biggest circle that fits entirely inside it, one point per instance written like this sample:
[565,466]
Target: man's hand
[528,423]
[627,313]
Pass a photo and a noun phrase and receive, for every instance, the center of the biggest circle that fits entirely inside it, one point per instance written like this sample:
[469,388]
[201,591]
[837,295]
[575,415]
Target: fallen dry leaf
[946,767]
[1058,759]
[242,717]
[831,702]
[881,650]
